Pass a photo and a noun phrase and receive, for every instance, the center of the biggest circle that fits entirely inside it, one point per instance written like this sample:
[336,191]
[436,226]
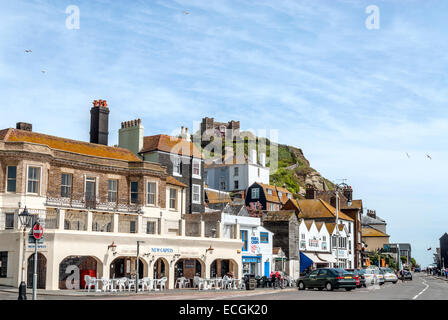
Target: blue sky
[355,100]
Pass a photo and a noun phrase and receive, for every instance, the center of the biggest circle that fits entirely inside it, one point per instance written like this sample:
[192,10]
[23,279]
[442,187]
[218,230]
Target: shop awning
[314,257]
[327,257]
[305,262]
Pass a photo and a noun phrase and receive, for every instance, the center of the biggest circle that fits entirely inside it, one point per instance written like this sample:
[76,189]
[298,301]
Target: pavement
[422,287]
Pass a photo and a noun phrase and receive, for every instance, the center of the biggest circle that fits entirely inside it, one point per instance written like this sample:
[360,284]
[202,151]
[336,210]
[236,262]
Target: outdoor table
[218,283]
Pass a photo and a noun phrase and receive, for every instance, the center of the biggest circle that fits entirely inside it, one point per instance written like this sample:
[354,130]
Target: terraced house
[95,202]
[178,154]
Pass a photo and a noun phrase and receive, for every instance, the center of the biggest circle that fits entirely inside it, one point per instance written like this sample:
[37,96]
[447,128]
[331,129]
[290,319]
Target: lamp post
[25,219]
[137,262]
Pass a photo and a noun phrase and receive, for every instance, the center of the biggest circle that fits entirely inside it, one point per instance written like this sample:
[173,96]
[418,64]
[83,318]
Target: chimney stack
[99,122]
[24,126]
[371,213]
[310,192]
[348,193]
[130,136]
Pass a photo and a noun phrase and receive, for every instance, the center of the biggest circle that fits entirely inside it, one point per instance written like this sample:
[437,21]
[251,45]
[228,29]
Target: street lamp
[137,262]
[337,187]
[25,219]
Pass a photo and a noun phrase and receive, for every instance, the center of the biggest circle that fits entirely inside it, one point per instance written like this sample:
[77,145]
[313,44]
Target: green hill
[294,170]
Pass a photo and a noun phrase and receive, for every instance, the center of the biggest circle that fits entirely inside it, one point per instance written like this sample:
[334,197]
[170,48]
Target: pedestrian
[272,276]
[446,273]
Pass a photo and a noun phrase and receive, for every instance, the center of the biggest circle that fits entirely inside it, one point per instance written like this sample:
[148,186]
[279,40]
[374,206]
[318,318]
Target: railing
[89,201]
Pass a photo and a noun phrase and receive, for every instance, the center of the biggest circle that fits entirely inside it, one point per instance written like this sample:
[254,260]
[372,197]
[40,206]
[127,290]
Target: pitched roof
[63,144]
[163,142]
[173,181]
[318,208]
[331,225]
[357,204]
[367,220]
[273,197]
[284,215]
[308,224]
[372,232]
[216,196]
[319,225]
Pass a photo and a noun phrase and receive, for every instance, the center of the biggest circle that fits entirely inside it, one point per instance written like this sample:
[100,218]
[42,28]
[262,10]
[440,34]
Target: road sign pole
[35,270]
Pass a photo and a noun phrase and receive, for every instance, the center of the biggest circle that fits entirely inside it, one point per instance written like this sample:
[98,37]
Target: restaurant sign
[162,250]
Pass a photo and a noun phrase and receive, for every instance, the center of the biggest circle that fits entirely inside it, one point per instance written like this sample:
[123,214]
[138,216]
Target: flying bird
[408,155]
[428,156]
[28,51]
[186,12]
[43,71]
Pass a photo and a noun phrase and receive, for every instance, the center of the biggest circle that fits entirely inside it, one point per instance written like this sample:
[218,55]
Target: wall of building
[187,177]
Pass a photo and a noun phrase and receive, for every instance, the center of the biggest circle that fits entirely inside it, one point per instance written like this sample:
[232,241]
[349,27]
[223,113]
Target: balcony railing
[88,201]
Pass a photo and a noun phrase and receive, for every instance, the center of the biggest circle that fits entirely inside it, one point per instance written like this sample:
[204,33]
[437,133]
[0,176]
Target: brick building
[285,226]
[95,202]
[178,154]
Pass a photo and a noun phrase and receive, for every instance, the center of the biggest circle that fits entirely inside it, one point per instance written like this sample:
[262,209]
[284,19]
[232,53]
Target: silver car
[374,275]
[389,275]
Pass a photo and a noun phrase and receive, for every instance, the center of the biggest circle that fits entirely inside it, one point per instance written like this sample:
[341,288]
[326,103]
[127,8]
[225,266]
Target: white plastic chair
[241,284]
[195,281]
[151,284]
[186,283]
[162,283]
[106,284]
[131,283]
[179,282]
[90,281]
[144,283]
[122,284]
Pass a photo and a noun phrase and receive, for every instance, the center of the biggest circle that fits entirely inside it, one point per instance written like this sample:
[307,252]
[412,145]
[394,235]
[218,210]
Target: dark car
[407,274]
[362,278]
[417,270]
[327,278]
[359,277]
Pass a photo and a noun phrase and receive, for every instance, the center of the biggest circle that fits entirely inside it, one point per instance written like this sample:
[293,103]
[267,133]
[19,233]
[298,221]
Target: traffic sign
[38,231]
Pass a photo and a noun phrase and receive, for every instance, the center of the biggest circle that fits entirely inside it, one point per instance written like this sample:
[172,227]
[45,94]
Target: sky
[354,99]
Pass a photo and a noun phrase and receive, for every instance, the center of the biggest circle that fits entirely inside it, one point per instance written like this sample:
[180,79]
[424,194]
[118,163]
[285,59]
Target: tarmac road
[422,287]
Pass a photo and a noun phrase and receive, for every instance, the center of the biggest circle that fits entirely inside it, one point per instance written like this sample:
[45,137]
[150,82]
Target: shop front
[252,265]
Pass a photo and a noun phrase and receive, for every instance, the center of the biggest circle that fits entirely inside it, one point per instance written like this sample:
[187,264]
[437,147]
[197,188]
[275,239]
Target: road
[423,287]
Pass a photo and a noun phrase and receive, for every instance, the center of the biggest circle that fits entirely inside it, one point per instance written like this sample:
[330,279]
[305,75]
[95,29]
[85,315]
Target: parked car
[362,277]
[359,277]
[370,276]
[374,275]
[417,269]
[380,276]
[389,275]
[327,278]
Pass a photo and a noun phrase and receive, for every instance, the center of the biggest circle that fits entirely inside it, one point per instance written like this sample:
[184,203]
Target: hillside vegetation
[293,169]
